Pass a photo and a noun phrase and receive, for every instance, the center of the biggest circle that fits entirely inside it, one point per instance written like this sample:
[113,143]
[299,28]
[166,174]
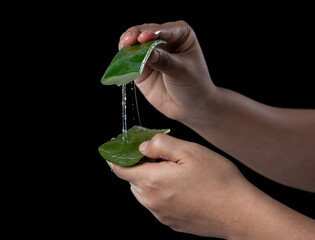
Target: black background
[263,52]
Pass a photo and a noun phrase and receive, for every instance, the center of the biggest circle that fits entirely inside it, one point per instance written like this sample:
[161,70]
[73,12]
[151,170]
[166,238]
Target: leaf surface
[128,63]
[125,152]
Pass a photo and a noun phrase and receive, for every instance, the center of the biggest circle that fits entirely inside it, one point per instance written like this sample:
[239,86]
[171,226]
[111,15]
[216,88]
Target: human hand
[175,80]
[192,190]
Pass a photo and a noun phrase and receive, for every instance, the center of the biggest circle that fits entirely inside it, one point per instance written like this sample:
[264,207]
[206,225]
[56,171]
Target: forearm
[278,143]
[264,218]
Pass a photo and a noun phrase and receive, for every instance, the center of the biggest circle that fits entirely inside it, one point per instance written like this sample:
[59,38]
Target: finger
[161,146]
[137,193]
[164,147]
[129,37]
[174,33]
[167,63]
[133,173]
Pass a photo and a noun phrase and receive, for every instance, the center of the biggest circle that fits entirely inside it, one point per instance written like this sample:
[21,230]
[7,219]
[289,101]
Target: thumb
[164,147]
[168,63]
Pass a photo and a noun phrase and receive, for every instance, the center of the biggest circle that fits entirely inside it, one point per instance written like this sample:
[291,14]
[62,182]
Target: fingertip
[143,146]
[148,35]
[111,165]
[128,39]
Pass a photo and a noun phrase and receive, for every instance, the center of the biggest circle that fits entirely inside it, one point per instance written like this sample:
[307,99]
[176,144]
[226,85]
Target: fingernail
[157,33]
[152,35]
[154,56]
[143,146]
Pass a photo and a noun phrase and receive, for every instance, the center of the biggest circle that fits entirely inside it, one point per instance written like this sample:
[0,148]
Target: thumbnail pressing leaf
[125,152]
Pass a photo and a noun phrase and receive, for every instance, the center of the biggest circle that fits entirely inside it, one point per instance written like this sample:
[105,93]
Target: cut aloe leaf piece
[128,63]
[125,152]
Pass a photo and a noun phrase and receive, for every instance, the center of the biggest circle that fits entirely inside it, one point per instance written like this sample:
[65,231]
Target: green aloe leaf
[125,152]
[128,63]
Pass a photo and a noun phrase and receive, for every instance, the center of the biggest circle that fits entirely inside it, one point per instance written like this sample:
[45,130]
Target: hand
[176,80]
[276,142]
[193,190]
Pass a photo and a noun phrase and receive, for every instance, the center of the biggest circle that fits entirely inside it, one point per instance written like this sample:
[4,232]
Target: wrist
[244,203]
[205,116]
[241,200]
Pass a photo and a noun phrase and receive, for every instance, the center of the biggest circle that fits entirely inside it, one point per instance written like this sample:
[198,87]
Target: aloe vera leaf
[128,63]
[126,153]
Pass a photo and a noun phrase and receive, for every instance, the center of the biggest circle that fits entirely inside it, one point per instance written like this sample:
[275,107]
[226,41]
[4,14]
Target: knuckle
[186,28]
[168,220]
[142,27]
[164,59]
[133,29]
[156,194]
[157,140]
[165,220]
[175,227]
[183,23]
[153,183]
[148,25]
[153,204]
[118,172]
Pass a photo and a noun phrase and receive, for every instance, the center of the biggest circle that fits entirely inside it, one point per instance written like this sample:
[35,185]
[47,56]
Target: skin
[195,190]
